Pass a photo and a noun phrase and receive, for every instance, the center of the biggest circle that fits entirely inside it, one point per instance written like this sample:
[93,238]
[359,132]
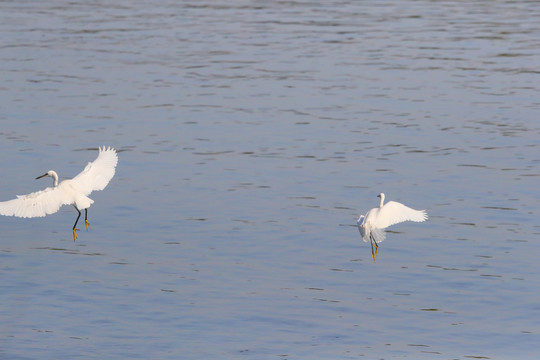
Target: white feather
[97,174]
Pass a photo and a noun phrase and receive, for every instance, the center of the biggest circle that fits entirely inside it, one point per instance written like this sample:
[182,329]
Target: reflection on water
[250,136]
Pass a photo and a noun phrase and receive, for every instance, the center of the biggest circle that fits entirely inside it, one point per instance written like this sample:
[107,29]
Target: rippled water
[251,136]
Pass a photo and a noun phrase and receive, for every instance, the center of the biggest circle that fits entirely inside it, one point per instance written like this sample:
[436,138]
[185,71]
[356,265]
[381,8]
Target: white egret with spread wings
[95,176]
[372,225]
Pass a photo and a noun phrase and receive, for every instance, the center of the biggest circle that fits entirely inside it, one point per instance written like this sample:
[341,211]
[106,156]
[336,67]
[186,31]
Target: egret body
[95,176]
[372,225]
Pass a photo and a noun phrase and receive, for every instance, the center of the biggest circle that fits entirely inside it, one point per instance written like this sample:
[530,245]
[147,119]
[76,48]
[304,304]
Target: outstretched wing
[97,174]
[36,204]
[393,212]
[359,223]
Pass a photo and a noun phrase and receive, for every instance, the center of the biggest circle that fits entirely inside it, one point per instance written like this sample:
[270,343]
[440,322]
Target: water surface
[251,136]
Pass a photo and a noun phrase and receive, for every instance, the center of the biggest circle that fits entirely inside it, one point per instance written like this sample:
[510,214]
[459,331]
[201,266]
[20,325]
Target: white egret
[95,176]
[372,225]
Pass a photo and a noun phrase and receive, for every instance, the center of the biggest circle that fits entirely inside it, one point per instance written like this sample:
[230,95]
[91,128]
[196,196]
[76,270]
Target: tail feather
[378,235]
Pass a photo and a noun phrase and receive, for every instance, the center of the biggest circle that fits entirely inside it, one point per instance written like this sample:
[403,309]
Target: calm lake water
[251,135]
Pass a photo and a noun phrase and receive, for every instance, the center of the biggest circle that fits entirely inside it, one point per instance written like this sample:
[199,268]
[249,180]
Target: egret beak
[39,177]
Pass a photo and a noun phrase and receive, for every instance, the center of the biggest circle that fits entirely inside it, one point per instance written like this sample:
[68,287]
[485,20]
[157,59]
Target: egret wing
[393,212]
[359,223]
[97,174]
[36,204]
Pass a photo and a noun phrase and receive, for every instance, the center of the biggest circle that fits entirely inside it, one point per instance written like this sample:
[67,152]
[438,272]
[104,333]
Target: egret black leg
[86,219]
[373,251]
[74,225]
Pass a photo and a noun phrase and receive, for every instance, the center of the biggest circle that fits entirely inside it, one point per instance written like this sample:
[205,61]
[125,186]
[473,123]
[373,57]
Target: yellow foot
[75,234]
[373,254]
[87,225]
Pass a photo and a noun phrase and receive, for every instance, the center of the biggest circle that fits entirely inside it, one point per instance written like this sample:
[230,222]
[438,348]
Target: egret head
[52,174]
[48,173]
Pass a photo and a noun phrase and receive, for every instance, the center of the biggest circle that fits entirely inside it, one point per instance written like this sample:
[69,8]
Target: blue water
[251,135]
